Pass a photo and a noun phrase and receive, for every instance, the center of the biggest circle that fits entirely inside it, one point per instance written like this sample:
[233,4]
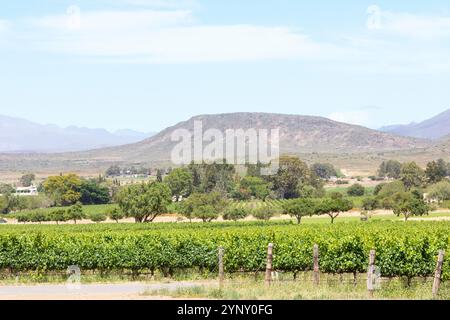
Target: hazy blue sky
[147,64]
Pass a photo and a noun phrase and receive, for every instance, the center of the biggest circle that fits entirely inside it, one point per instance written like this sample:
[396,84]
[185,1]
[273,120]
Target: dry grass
[331,287]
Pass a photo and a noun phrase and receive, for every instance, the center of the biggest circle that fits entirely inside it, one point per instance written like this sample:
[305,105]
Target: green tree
[333,207]
[58,215]
[3,204]
[256,187]
[27,179]
[38,216]
[206,213]
[180,182]
[356,190]
[412,175]
[76,212]
[145,201]
[299,208]
[409,204]
[113,171]
[93,192]
[6,189]
[205,206]
[324,170]
[97,217]
[291,176]
[370,203]
[378,188]
[390,169]
[115,214]
[233,213]
[159,175]
[440,191]
[436,171]
[64,190]
[263,213]
[23,217]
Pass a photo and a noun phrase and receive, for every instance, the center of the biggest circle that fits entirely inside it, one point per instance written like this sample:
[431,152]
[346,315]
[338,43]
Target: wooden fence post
[221,269]
[269,264]
[437,274]
[370,273]
[316,264]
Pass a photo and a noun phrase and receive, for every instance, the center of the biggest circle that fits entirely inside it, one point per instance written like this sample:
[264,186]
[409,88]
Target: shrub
[263,213]
[356,190]
[235,214]
[97,217]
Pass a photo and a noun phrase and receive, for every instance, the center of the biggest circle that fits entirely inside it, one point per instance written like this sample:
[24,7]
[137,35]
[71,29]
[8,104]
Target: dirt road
[116,291]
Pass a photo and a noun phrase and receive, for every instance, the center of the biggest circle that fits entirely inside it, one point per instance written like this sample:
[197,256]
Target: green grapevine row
[402,249]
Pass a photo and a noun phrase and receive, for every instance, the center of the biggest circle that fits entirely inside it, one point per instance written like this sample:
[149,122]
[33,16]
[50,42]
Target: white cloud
[171,36]
[171,4]
[112,21]
[409,25]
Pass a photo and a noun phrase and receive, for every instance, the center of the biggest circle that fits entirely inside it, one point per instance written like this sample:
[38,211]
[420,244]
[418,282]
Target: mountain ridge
[19,135]
[434,128]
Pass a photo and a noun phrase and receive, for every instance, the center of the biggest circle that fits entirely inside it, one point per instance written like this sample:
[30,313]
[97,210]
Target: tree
[333,207]
[263,213]
[115,214]
[436,171]
[3,204]
[93,193]
[75,212]
[299,208]
[292,175]
[356,190]
[206,213]
[412,175]
[23,217]
[205,206]
[113,171]
[27,179]
[308,191]
[64,190]
[159,175]
[145,201]
[440,191]
[58,215]
[370,204]
[38,216]
[6,189]
[255,187]
[232,213]
[180,182]
[390,169]
[324,170]
[97,217]
[378,188]
[408,204]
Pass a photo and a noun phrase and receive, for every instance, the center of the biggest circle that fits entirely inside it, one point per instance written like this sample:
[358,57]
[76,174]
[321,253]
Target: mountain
[19,136]
[434,128]
[298,134]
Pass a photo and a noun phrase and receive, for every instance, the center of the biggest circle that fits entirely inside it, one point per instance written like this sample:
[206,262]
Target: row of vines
[401,249]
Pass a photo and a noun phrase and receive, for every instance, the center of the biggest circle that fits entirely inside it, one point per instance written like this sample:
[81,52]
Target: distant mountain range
[313,138]
[435,128]
[298,134]
[20,136]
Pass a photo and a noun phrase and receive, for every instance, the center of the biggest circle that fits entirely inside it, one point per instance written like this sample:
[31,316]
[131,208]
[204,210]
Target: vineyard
[402,249]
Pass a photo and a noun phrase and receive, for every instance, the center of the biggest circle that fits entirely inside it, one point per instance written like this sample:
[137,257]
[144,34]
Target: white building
[27,191]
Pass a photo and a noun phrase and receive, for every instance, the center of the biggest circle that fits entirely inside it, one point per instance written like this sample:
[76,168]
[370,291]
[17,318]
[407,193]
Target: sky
[148,64]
